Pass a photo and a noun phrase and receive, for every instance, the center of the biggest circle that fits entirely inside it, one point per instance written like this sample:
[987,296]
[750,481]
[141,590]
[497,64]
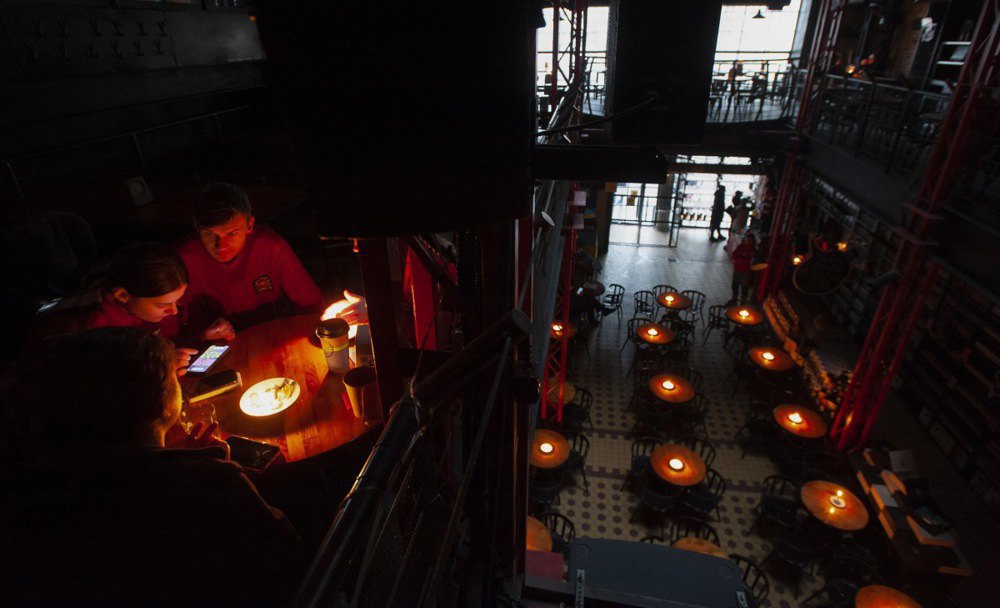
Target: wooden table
[318,420]
[674,300]
[800,421]
[880,596]
[817,496]
[568,391]
[700,545]
[557,446]
[668,455]
[744,315]
[682,391]
[781,361]
[558,329]
[653,333]
[538,538]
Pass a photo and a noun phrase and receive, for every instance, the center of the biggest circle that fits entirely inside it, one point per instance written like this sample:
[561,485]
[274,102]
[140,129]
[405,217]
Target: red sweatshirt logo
[263,283]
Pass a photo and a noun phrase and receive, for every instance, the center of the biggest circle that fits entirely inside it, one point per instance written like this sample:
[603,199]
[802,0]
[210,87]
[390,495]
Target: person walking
[718,208]
[742,275]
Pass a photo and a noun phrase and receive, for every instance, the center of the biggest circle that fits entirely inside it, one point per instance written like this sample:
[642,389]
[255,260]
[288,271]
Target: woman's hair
[144,270]
[103,386]
[219,202]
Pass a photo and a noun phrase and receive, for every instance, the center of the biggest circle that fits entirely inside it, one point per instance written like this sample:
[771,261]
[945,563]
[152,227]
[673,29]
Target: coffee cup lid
[333,328]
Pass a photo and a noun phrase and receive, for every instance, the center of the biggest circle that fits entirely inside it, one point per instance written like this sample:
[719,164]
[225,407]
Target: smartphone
[216,384]
[207,359]
[251,454]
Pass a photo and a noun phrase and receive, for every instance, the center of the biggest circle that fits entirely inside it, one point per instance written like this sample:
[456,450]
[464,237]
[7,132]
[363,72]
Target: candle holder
[668,385]
[546,448]
[676,464]
[838,501]
[795,418]
[652,332]
[743,313]
[767,355]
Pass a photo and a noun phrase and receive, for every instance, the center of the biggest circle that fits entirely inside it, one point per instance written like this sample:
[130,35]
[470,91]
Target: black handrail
[356,514]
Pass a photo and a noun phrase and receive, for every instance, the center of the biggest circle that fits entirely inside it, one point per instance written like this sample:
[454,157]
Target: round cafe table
[700,545]
[318,421]
[880,596]
[558,329]
[538,538]
[809,424]
[553,458]
[781,362]
[682,391]
[744,315]
[677,464]
[568,390]
[653,333]
[819,498]
[673,300]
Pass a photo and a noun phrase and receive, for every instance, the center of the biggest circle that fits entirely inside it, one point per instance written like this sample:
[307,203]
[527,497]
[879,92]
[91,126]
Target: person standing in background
[742,275]
[718,208]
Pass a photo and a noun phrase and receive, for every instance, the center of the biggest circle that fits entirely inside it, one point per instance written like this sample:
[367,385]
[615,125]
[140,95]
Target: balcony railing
[889,125]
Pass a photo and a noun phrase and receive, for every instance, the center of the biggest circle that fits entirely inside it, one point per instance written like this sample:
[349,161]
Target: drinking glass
[193,413]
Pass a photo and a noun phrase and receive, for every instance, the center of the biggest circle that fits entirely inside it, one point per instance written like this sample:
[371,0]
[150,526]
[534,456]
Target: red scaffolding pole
[968,126]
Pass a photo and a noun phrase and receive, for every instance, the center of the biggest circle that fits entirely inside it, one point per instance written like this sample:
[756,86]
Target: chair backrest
[753,577]
[717,316]
[644,446]
[701,447]
[854,570]
[559,525]
[584,398]
[685,527]
[781,486]
[659,289]
[716,484]
[697,298]
[633,324]
[680,347]
[645,301]
[580,444]
[616,294]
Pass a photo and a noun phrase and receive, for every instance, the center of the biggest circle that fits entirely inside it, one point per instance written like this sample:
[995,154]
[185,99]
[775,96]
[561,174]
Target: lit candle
[676,464]
[668,385]
[795,418]
[767,355]
[669,299]
[842,246]
[652,332]
[837,501]
[557,327]
[744,313]
[546,448]
[797,260]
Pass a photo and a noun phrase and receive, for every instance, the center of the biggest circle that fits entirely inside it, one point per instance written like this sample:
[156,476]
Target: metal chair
[754,578]
[847,574]
[577,460]
[562,529]
[642,448]
[655,499]
[630,336]
[696,312]
[794,550]
[717,319]
[687,527]
[645,304]
[677,352]
[691,416]
[759,433]
[704,498]
[612,301]
[658,291]
[576,414]
[778,502]
[543,489]
[700,446]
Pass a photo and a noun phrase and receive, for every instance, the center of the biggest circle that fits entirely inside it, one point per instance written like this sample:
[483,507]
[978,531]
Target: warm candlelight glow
[676,464]
[767,355]
[842,246]
[744,313]
[837,501]
[652,332]
[795,418]
[797,260]
[557,327]
[840,492]
[669,299]
[546,448]
[832,510]
[668,385]
[333,311]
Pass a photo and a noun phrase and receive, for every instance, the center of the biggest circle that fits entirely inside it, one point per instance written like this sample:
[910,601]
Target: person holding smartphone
[101,502]
[241,274]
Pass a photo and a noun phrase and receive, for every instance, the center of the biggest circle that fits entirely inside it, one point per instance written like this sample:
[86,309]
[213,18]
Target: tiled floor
[605,512]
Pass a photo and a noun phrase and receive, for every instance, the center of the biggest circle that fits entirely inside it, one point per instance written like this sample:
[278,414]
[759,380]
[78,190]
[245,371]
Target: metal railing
[889,125]
[395,540]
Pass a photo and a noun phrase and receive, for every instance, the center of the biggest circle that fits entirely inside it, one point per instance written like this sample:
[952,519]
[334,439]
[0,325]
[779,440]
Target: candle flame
[744,314]
[668,385]
[795,418]
[842,246]
[676,464]
[797,260]
[767,355]
[840,492]
[669,298]
[652,332]
[557,327]
[546,448]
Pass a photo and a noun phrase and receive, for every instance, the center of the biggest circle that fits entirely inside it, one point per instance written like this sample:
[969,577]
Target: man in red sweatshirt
[742,275]
[239,274]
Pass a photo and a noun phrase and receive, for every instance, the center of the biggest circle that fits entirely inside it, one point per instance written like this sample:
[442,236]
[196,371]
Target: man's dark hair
[218,202]
[145,270]
[103,386]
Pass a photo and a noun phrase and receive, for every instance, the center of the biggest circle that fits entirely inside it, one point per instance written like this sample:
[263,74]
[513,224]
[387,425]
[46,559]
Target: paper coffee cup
[333,338]
[355,382]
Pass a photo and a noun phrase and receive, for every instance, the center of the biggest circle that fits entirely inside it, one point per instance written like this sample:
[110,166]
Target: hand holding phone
[207,359]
